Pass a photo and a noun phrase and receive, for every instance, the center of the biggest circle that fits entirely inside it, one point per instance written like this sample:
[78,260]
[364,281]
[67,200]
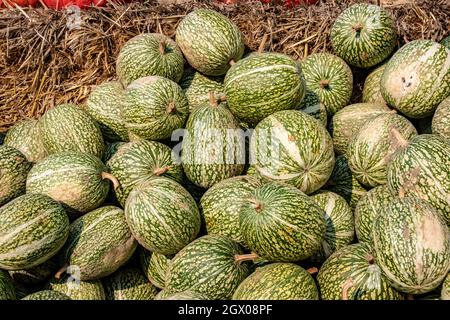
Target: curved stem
[257,205]
[162,47]
[160,171]
[358,27]
[345,287]
[312,270]
[370,259]
[171,107]
[61,271]
[231,62]
[212,99]
[324,83]
[398,139]
[110,177]
[239,258]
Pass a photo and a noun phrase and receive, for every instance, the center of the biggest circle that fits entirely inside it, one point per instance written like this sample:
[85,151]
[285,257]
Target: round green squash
[313,106]
[155,266]
[7,291]
[279,75]
[80,181]
[153,107]
[209,41]
[364,35]
[441,119]
[129,284]
[372,90]
[36,275]
[76,289]
[293,147]
[353,273]
[420,169]
[417,78]
[99,243]
[184,295]
[212,265]
[104,105]
[141,160]
[281,223]
[445,291]
[371,148]
[278,281]
[412,245]
[367,209]
[162,215]
[33,228]
[14,168]
[25,137]
[149,54]
[346,122]
[47,295]
[330,78]
[67,127]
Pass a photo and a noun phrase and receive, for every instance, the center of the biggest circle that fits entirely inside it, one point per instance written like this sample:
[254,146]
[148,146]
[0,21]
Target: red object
[21,3]
[61,4]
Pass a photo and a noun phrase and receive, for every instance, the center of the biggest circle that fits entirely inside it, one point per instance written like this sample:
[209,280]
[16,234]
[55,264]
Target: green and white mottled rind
[280,223]
[412,245]
[330,78]
[162,215]
[441,119]
[25,137]
[293,147]
[422,170]
[138,161]
[264,83]
[129,284]
[209,41]
[184,295]
[367,209]
[346,122]
[445,291]
[372,90]
[67,127]
[72,178]
[7,291]
[278,281]
[36,275]
[155,266]
[111,149]
[312,105]
[339,220]
[213,148]
[446,42]
[13,173]
[104,105]
[197,87]
[47,295]
[77,289]
[355,267]
[208,266]
[417,78]
[372,147]
[153,108]
[221,205]
[33,228]
[149,54]
[364,35]
[99,243]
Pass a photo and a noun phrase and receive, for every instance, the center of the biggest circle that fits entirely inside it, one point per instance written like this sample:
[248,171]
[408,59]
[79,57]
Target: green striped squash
[47,295]
[346,122]
[104,105]
[36,275]
[76,289]
[221,205]
[184,295]
[7,291]
[149,54]
[212,265]
[372,146]
[340,226]
[278,281]
[138,161]
[279,75]
[155,266]
[281,223]
[293,147]
[313,106]
[353,273]
[67,127]
[445,291]
[372,90]
[209,41]
[111,149]
[446,42]
[13,173]
[344,183]
[153,107]
[364,35]
[330,78]
[33,228]
[417,78]
[162,215]
[412,245]
[25,137]
[80,181]
[213,148]
[129,284]
[99,243]
[420,169]
[441,119]
[197,87]
[367,209]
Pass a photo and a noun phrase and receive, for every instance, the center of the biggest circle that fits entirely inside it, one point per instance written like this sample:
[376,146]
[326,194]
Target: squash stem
[370,259]
[257,205]
[398,139]
[231,62]
[312,270]
[239,258]
[162,47]
[61,271]
[171,107]
[110,177]
[358,27]
[160,171]
[212,99]
[324,83]
[345,287]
